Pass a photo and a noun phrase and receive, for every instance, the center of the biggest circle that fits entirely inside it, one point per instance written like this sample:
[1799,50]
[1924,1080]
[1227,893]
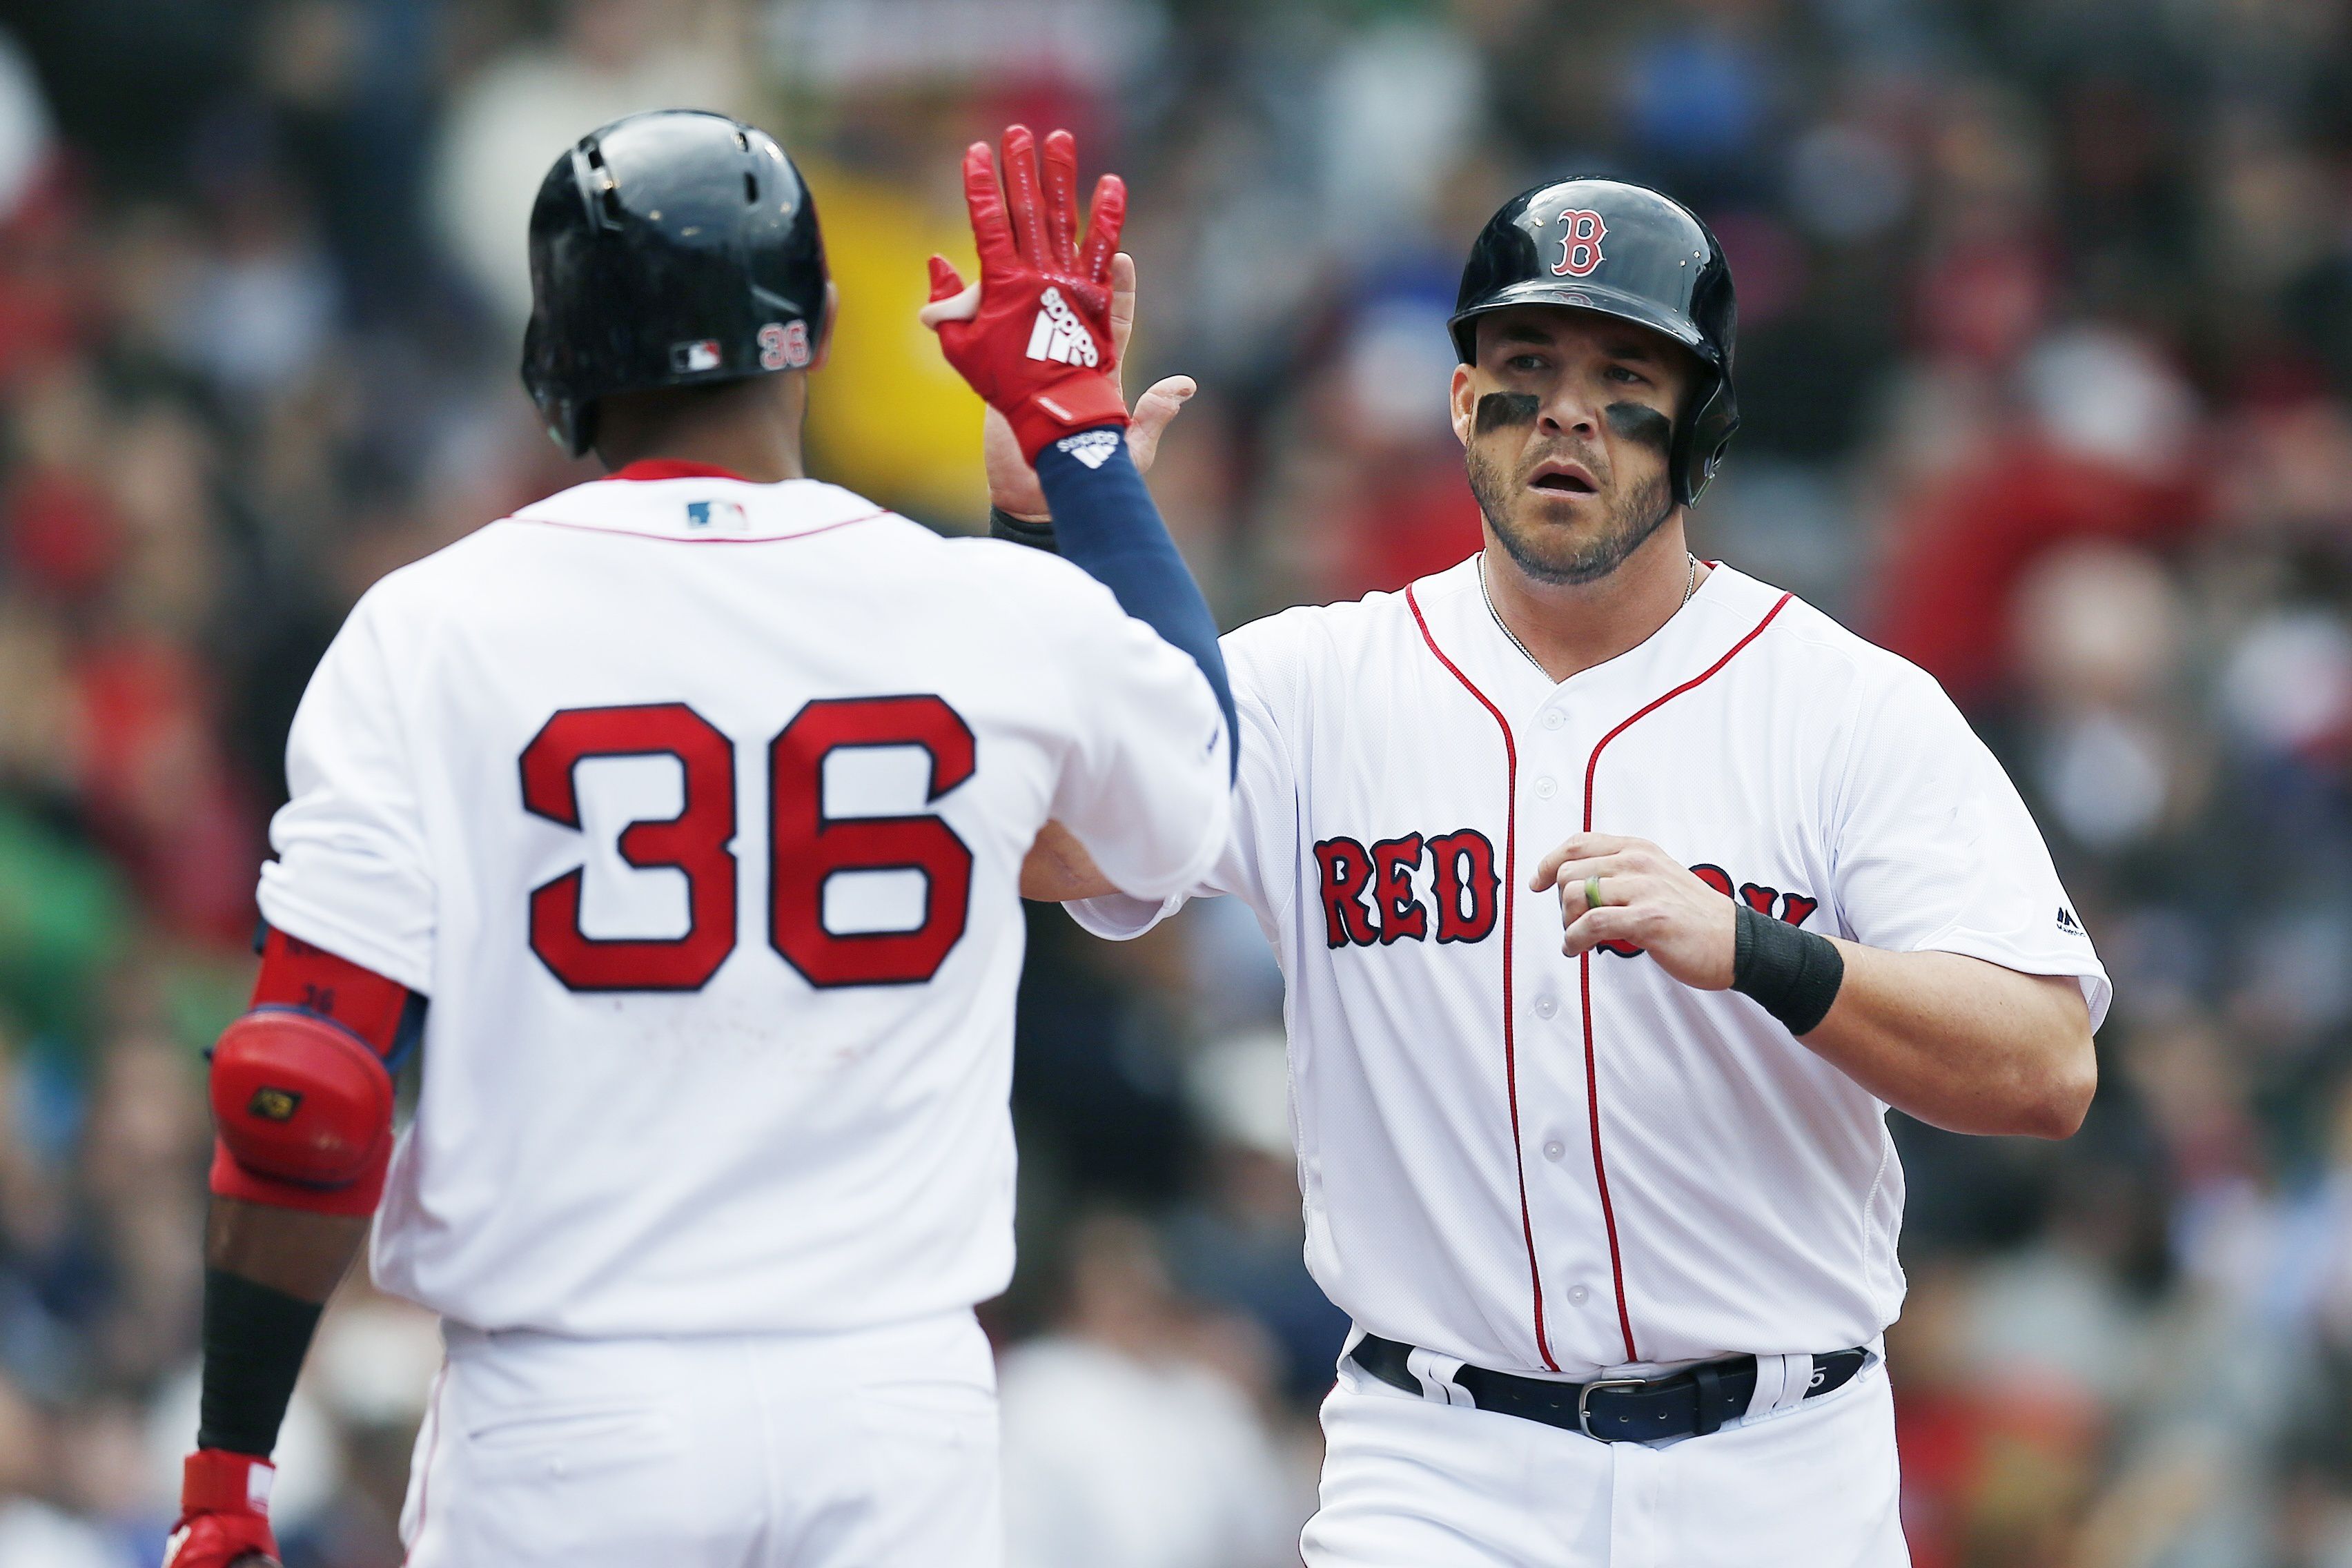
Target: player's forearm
[1961,1044]
[301,1093]
[267,1273]
[268,1270]
[1058,870]
[302,1254]
[1106,523]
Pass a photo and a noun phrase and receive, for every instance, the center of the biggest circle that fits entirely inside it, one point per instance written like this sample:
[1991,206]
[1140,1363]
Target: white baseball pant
[1418,1483]
[876,1448]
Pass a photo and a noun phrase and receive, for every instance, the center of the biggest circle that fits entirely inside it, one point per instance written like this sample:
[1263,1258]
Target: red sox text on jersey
[1463,884]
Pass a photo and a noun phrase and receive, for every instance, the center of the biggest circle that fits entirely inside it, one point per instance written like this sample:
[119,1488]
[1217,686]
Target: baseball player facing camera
[1618,895]
[678,821]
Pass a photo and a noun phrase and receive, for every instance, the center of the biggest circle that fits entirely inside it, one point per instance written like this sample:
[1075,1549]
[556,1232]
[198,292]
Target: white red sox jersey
[1542,1164]
[698,808]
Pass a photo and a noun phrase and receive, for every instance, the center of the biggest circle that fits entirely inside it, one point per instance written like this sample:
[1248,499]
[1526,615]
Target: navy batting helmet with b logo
[1624,250]
[671,249]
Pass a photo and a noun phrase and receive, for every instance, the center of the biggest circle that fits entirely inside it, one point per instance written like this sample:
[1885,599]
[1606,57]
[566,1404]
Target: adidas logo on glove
[1059,335]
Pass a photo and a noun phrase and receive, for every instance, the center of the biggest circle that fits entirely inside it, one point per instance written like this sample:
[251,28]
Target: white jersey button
[1554,1149]
[1554,718]
[1545,788]
[1577,1295]
[1546,1006]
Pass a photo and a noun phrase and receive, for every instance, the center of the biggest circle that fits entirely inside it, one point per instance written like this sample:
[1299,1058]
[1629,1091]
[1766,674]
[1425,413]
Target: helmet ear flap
[1701,439]
[567,423]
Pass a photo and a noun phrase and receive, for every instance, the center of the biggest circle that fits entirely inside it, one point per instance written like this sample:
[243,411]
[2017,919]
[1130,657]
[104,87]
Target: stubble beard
[1635,515]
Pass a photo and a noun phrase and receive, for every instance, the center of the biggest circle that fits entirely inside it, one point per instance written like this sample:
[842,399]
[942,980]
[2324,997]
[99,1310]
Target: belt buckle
[1584,1399]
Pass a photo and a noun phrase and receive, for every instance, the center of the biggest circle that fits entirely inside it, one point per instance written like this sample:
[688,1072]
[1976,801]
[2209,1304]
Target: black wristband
[1002,524]
[1794,973]
[255,1339]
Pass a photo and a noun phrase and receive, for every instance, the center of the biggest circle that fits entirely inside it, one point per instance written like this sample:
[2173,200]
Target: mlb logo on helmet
[685,359]
[1579,247]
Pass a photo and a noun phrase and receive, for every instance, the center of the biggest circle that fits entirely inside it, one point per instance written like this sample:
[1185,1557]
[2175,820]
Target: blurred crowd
[2046,361]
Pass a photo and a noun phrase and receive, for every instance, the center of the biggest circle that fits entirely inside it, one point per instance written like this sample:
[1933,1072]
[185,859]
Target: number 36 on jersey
[806,848]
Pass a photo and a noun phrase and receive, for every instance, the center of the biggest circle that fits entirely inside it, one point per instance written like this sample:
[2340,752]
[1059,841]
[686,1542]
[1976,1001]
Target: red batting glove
[1037,344]
[223,1513]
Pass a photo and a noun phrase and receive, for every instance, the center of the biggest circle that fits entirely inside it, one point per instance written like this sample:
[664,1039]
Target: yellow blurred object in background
[887,418]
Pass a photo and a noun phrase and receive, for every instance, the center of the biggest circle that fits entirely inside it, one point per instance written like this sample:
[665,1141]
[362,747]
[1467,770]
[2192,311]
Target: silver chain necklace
[1689,587]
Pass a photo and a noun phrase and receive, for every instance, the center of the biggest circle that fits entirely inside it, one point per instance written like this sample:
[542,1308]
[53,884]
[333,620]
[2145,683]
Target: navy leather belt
[1694,1401]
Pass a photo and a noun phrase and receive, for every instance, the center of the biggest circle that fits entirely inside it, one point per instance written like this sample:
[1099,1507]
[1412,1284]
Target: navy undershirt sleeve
[1106,524]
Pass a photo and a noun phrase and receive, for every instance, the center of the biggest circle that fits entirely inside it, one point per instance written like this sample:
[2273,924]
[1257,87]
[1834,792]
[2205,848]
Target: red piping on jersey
[698,538]
[1510,871]
[1584,967]
[674,469]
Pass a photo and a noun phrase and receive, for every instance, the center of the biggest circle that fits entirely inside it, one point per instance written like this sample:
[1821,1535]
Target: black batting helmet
[672,248]
[1628,251]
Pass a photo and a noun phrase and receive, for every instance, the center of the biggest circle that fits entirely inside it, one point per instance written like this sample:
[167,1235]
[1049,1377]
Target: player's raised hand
[1034,335]
[1013,483]
[1629,890]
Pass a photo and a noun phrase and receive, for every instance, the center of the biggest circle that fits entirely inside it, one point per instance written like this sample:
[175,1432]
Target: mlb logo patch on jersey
[685,359]
[714,517]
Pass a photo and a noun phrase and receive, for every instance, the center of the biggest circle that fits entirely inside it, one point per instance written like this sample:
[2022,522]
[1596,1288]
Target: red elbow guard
[300,1093]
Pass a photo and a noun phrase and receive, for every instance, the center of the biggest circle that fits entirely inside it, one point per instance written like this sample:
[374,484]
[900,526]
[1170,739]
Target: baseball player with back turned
[695,800]
[1619,894]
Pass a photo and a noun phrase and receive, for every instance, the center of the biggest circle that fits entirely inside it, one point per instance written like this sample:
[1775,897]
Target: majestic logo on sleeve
[1579,247]
[1059,335]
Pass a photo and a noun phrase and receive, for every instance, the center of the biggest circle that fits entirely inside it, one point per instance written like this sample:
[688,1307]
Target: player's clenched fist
[1629,890]
[223,1513]
[1034,335]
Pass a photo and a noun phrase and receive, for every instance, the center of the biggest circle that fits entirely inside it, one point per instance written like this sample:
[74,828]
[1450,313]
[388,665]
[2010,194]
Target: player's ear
[1464,400]
[824,326]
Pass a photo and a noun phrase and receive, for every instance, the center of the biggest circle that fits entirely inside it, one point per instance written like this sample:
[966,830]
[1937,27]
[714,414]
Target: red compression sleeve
[296,975]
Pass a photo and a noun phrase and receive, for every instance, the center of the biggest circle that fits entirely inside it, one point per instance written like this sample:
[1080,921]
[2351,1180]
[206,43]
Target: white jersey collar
[702,508]
[1728,605]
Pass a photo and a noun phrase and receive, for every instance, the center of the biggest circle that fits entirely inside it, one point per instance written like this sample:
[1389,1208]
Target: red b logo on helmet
[1579,247]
